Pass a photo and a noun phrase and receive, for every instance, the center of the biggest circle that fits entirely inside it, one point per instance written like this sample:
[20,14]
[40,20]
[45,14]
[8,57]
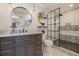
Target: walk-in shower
[65,36]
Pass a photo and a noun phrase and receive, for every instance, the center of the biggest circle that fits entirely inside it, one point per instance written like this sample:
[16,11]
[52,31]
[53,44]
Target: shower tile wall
[69,35]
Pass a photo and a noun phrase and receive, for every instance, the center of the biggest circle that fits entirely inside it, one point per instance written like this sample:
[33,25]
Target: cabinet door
[23,46]
[38,48]
[29,48]
[19,46]
[7,46]
[9,52]
[20,50]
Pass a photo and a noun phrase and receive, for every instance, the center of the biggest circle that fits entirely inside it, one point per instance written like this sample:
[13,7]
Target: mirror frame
[22,8]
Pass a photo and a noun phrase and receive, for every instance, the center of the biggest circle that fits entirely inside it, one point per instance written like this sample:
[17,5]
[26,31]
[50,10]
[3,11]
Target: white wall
[5,16]
[70,17]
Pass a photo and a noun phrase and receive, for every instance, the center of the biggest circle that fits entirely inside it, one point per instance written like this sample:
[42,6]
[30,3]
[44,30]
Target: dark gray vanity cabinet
[21,45]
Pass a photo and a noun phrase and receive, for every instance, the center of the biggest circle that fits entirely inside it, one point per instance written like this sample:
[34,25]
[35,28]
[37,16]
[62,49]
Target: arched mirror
[21,16]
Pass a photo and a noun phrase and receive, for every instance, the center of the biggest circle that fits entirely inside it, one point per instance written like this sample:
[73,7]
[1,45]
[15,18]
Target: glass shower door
[53,24]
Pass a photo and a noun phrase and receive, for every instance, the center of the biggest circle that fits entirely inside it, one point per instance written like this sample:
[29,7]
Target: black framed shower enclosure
[70,42]
[53,26]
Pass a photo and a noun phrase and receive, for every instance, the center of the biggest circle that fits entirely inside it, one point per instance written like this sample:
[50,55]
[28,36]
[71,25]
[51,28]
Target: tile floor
[50,51]
[57,51]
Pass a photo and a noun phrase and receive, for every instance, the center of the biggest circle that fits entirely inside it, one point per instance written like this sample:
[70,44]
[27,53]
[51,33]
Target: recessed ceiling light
[71,5]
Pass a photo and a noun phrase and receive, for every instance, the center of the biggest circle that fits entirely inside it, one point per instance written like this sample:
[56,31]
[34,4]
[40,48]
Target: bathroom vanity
[21,44]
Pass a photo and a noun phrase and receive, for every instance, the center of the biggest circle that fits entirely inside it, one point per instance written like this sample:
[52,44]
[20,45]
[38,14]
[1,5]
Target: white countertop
[17,34]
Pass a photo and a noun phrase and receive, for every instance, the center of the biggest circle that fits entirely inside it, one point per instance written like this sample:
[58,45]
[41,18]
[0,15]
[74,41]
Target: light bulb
[71,5]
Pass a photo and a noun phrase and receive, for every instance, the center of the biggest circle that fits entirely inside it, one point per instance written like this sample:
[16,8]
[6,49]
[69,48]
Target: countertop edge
[18,34]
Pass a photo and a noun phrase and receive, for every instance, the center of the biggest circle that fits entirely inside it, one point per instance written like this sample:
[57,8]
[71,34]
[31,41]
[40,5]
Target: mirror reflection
[21,16]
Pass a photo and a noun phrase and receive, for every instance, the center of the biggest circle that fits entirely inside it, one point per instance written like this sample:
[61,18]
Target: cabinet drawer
[6,42]
[19,43]
[37,36]
[23,38]
[18,39]
[7,53]
[28,42]
[5,47]
[4,39]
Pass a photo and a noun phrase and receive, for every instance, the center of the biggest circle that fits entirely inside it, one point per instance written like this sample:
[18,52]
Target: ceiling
[63,6]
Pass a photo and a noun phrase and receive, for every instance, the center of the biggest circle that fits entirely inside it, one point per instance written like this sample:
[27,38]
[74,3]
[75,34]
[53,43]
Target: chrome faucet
[13,27]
